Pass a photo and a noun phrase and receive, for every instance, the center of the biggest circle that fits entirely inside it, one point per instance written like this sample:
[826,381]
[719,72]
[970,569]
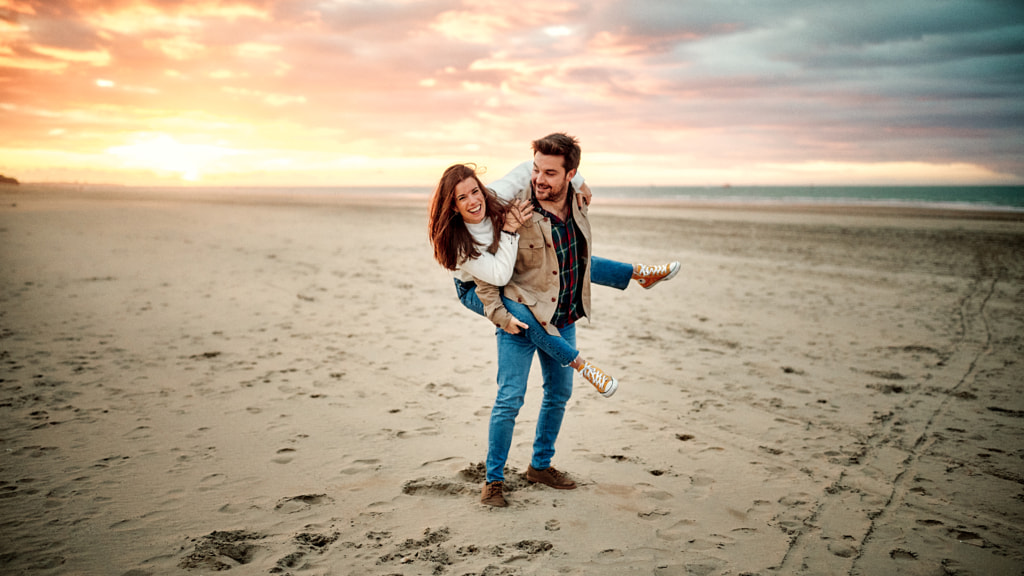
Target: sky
[391,92]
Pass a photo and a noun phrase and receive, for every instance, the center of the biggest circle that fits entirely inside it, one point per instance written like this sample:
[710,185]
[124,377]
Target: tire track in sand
[861,502]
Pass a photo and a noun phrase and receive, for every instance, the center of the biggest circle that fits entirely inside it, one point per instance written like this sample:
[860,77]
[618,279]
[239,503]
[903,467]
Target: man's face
[550,180]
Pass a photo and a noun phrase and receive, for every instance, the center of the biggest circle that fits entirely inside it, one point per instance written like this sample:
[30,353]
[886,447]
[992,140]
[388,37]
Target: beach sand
[197,383]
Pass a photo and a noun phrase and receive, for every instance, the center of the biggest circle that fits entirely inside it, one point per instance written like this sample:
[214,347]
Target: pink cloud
[408,82]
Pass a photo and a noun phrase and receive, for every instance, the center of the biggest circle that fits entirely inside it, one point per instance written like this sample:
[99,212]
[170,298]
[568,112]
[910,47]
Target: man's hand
[515,326]
[584,196]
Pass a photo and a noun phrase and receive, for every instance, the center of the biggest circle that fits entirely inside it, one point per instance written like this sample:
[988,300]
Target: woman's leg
[560,349]
[554,346]
[468,297]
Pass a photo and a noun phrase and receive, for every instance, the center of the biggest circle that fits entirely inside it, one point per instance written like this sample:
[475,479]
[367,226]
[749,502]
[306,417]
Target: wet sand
[198,383]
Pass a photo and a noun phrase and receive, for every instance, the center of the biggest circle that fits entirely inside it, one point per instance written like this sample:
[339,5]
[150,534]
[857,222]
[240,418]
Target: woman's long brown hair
[453,244]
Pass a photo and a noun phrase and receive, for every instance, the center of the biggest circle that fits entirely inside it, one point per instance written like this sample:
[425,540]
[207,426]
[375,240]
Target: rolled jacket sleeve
[494,308]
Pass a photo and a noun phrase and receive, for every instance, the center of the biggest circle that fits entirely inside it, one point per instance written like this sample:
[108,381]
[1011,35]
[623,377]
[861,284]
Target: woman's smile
[470,201]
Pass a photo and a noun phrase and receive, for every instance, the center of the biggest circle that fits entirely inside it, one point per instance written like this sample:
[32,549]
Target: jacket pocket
[531,250]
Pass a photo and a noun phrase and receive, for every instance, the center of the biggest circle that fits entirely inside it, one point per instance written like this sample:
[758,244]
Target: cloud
[711,88]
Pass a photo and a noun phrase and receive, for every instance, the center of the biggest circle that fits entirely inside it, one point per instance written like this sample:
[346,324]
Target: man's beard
[551,194]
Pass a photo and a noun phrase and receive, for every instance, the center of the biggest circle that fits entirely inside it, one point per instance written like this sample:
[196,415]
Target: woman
[474,234]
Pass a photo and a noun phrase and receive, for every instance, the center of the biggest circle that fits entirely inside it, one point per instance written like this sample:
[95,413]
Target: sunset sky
[662,92]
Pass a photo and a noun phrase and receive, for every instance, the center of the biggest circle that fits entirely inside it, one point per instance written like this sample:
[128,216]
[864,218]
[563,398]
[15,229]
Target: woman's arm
[518,180]
[495,268]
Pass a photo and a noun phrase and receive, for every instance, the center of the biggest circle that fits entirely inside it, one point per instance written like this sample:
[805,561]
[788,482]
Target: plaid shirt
[565,236]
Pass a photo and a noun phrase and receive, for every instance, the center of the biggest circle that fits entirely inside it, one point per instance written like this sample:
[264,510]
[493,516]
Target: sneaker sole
[611,389]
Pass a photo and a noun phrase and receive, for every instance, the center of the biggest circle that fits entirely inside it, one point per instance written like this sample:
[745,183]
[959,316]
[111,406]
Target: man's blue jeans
[515,356]
[611,273]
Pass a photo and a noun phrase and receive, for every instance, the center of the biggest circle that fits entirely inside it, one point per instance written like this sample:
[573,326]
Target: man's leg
[615,274]
[557,391]
[515,355]
[610,273]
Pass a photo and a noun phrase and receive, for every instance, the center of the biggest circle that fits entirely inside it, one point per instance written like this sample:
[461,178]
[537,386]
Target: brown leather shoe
[491,494]
[550,477]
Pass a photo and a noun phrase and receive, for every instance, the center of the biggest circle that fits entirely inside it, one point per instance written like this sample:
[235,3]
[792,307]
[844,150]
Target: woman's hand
[514,326]
[584,196]
[518,215]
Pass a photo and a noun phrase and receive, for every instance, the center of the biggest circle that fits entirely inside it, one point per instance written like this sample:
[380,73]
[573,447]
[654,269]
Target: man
[552,277]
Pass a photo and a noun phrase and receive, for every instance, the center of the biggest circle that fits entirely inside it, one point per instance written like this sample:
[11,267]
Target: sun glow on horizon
[162,153]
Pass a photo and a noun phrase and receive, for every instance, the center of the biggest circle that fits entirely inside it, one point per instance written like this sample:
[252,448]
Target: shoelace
[596,377]
[557,475]
[646,270]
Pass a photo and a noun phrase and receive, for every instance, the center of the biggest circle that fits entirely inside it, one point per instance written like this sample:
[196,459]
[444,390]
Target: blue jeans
[602,271]
[610,273]
[515,355]
[554,346]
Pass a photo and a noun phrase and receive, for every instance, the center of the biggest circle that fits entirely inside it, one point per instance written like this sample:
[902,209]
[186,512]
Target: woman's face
[470,201]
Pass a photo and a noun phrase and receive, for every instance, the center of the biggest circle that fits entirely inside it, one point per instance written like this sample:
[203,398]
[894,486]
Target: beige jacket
[535,279]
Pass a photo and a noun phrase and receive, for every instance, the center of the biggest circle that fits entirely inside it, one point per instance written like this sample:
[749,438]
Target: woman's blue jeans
[603,272]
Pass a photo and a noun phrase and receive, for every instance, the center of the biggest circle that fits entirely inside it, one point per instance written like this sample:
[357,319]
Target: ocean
[1009,198]
[998,198]
[963,197]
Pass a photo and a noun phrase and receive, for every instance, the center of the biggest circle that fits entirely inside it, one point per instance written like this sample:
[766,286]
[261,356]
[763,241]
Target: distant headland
[8,180]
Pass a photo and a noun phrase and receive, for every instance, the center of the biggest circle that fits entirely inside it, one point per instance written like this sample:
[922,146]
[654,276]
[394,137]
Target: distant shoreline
[418,196]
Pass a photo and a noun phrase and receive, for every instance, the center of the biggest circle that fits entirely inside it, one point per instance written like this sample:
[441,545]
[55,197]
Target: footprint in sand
[437,487]
[308,543]
[842,548]
[222,550]
[661,495]
[212,482]
[710,542]
[653,514]
[304,502]
[678,531]
[284,456]
[424,431]
[359,466]
[139,433]
[701,484]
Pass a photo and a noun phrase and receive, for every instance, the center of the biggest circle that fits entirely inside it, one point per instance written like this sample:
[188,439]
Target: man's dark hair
[560,144]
